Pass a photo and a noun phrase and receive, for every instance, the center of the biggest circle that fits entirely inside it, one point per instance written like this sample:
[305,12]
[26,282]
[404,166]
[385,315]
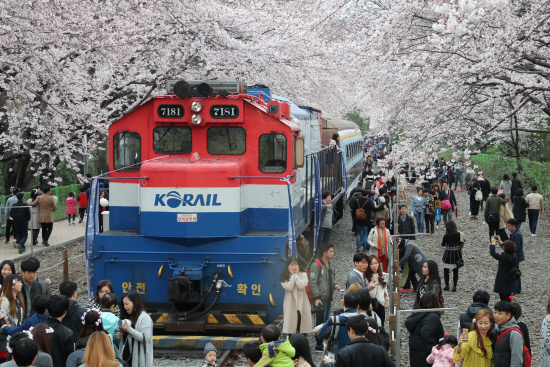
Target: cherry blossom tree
[70,67]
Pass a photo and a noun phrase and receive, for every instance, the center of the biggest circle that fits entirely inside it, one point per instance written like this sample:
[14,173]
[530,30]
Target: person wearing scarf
[379,238]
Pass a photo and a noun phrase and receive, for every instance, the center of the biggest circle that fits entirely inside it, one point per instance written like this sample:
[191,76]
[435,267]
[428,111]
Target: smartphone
[465,331]
[331,356]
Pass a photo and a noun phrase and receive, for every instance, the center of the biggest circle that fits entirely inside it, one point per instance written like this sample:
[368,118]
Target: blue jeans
[21,232]
[361,233]
[322,317]
[533,215]
[419,221]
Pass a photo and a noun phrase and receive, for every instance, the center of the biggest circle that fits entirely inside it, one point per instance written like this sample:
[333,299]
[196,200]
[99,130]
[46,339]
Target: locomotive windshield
[172,140]
[272,153]
[127,151]
[226,140]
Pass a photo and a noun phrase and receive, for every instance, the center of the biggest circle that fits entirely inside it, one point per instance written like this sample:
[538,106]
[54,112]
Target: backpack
[308,287]
[479,195]
[526,354]
[360,212]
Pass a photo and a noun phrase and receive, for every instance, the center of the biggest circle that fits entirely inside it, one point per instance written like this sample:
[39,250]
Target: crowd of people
[54,330]
[26,219]
[355,334]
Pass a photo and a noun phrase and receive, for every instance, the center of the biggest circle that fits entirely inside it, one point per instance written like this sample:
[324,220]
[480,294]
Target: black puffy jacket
[361,352]
[426,329]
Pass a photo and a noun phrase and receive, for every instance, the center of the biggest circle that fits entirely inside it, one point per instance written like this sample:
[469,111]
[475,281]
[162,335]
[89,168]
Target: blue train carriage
[210,186]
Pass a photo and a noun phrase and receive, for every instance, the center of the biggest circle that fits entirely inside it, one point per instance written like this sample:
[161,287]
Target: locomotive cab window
[127,151]
[272,153]
[172,140]
[226,140]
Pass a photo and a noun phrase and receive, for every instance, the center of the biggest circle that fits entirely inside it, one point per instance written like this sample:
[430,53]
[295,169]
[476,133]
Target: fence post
[65,265]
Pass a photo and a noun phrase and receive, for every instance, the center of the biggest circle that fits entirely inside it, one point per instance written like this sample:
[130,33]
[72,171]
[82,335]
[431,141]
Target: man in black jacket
[363,226]
[405,223]
[31,286]
[74,313]
[20,214]
[62,337]
[480,302]
[516,184]
[360,352]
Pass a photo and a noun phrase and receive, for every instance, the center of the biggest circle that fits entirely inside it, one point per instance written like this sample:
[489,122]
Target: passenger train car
[212,186]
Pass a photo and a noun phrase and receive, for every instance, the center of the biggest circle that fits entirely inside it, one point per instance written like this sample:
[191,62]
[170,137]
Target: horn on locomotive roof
[197,88]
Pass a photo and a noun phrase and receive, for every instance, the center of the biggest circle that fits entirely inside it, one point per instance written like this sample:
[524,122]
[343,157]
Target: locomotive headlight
[196,106]
[196,119]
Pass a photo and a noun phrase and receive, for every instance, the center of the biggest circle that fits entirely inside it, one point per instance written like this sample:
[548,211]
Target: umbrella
[456,211]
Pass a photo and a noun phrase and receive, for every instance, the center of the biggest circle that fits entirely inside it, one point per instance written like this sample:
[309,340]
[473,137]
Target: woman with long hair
[506,186]
[12,300]
[475,347]
[303,352]
[294,281]
[91,322]
[507,260]
[103,286]
[100,353]
[545,338]
[452,256]
[474,203]
[505,214]
[373,333]
[430,282]
[137,340]
[34,224]
[425,330]
[379,239]
[42,336]
[378,287]
[6,268]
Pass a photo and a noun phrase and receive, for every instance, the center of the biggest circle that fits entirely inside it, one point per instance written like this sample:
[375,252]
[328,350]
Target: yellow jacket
[471,353]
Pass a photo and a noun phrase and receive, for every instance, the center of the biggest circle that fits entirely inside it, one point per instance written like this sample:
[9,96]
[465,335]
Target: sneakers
[454,289]
[7,241]
[358,249]
[533,235]
[45,243]
[80,220]
[446,288]
[14,243]
[319,349]
[21,249]
[460,189]
[404,290]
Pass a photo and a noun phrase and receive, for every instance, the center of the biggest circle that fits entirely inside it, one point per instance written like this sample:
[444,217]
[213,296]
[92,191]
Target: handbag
[446,204]
[493,218]
[514,274]
[460,263]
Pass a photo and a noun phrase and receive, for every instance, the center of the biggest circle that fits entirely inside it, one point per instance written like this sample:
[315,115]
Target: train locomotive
[211,186]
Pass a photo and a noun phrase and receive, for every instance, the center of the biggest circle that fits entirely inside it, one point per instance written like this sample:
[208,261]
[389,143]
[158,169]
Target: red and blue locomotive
[211,186]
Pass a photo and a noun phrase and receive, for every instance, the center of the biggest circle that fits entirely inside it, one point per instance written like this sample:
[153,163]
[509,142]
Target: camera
[121,322]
